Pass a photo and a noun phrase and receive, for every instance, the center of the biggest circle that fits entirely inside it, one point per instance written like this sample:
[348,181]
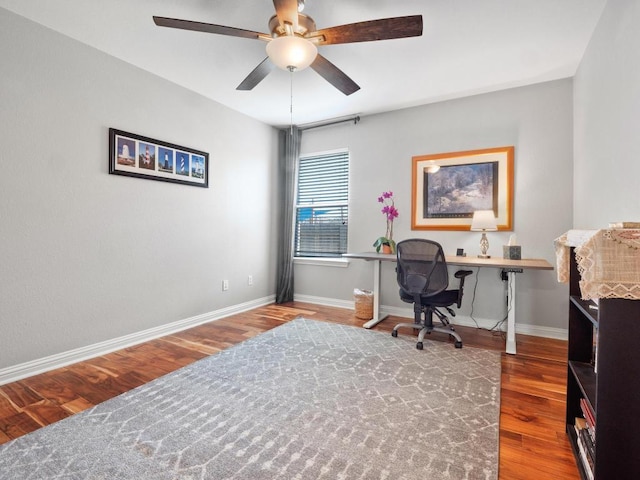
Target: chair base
[424,330]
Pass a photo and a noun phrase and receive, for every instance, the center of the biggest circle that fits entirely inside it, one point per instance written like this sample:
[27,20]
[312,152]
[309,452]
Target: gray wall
[537,120]
[86,256]
[607,121]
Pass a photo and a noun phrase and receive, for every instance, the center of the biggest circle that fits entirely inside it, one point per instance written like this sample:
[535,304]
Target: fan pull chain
[291,69]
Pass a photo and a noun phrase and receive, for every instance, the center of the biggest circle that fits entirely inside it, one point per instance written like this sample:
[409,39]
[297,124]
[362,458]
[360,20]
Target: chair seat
[442,299]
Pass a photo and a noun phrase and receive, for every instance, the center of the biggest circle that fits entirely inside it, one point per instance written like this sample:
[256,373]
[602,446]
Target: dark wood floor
[533,444]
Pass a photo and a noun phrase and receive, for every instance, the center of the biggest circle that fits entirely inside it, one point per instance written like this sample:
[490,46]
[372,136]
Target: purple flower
[389,210]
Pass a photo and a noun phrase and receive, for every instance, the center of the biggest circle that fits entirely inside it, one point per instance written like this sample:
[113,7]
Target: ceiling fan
[292,43]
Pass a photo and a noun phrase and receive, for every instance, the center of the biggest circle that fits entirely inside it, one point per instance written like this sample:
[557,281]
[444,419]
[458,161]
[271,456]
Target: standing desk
[510,267]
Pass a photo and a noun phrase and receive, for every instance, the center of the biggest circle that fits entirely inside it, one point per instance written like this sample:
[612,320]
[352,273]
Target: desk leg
[511,313]
[376,296]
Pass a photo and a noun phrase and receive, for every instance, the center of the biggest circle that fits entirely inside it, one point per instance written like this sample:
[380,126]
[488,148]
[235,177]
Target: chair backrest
[421,269]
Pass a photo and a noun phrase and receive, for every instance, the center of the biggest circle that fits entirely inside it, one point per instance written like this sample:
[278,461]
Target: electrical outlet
[225,285]
[250,280]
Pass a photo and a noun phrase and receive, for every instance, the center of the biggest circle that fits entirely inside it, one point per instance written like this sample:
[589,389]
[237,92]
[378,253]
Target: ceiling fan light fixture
[291,51]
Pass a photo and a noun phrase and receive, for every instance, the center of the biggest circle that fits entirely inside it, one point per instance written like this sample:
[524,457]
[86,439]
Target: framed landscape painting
[448,187]
[143,157]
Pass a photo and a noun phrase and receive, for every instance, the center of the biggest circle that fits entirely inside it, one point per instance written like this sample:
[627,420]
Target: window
[322,205]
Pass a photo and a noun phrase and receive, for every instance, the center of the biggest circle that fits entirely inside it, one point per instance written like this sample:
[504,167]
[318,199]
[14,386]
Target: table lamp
[484,221]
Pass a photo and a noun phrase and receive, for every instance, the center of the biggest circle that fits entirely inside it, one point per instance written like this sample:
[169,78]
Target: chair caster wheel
[419,346]
[394,333]
[458,344]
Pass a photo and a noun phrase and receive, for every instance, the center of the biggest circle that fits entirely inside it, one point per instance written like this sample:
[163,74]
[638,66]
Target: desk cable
[509,295]
[495,328]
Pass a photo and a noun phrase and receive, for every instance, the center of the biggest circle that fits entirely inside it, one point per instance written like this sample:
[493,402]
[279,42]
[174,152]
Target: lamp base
[484,246]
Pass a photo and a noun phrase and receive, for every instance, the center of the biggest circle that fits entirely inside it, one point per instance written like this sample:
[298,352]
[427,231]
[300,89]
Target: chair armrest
[461,275]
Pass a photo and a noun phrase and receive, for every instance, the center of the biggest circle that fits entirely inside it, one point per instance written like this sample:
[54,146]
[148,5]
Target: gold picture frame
[464,182]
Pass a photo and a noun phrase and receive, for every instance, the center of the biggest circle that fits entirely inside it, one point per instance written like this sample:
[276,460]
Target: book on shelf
[587,453]
[588,415]
[590,447]
[583,429]
[585,462]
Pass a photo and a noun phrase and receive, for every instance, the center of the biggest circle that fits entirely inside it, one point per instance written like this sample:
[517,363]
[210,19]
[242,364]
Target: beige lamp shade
[484,221]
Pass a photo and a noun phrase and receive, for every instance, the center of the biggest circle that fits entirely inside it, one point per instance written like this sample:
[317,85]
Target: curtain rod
[309,126]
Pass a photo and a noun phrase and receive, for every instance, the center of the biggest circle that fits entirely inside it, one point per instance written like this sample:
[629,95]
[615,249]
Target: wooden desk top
[495,262]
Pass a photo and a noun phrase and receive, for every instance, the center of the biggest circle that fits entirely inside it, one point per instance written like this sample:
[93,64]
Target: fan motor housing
[306,24]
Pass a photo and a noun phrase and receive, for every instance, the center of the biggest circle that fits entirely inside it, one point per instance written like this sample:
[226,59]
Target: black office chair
[423,279]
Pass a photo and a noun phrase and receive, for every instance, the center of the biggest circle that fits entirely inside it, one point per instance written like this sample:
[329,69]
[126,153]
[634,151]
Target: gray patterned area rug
[306,400]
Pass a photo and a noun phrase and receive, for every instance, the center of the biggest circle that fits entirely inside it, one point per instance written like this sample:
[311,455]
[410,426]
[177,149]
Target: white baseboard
[327,302]
[40,365]
[462,320]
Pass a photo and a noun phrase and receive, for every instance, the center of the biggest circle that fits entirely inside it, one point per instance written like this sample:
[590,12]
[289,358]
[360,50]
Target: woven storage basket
[364,303]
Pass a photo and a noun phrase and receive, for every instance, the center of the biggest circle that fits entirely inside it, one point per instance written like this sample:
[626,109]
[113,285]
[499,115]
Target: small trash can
[363,303]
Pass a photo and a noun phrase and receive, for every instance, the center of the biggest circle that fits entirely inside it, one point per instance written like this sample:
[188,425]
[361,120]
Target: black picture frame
[138,156]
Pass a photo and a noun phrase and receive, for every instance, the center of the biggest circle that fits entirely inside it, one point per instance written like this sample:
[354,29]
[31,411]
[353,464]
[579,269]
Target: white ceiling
[468,47]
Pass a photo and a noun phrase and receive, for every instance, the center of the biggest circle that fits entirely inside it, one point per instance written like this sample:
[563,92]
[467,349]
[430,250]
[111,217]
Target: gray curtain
[288,153]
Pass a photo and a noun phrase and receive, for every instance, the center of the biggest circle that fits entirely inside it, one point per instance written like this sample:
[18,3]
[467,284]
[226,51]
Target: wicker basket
[363,303]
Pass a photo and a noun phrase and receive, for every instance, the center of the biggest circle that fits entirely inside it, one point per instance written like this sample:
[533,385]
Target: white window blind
[322,207]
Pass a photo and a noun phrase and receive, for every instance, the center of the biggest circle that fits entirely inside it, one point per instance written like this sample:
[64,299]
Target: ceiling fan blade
[334,75]
[205,27]
[257,75]
[287,12]
[382,29]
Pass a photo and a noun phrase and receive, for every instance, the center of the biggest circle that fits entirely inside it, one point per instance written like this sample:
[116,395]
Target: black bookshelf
[607,377]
